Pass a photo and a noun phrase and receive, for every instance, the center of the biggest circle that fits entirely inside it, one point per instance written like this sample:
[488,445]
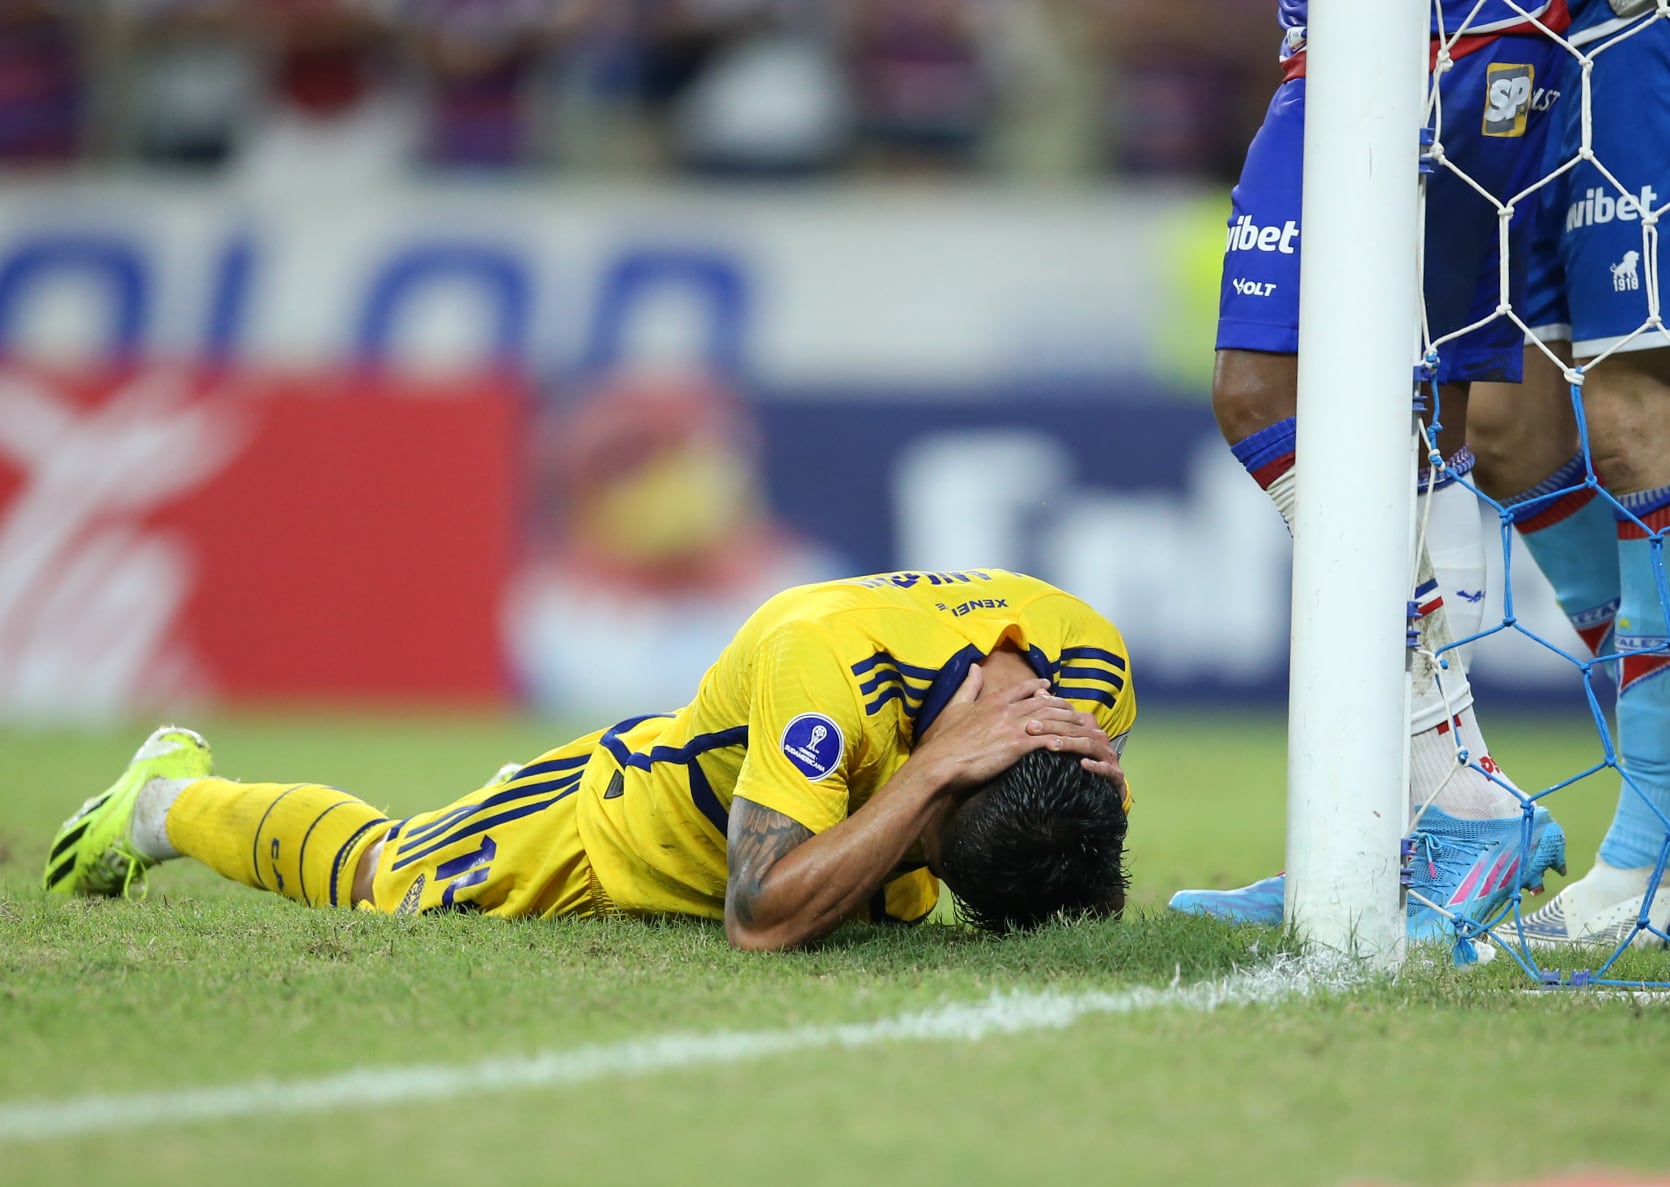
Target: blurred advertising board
[1132,503]
[929,287]
[173,537]
[481,443]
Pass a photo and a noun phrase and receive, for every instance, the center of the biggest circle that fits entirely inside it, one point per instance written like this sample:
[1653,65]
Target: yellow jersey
[810,709]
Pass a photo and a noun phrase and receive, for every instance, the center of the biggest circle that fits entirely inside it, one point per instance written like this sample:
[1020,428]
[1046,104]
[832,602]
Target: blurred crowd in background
[770,89]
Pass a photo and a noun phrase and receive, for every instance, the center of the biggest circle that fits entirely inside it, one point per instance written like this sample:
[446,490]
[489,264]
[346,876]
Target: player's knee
[1627,398]
[1645,369]
[364,872]
[1521,433]
[1252,391]
[1493,436]
[1492,468]
[1622,464]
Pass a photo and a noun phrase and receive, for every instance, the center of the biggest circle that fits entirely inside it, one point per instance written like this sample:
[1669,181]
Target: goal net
[1575,220]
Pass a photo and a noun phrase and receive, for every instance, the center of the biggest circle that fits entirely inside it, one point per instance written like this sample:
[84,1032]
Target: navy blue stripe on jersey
[736,735]
[707,803]
[1103,686]
[886,666]
[1098,674]
[1085,692]
[883,657]
[884,674]
[464,862]
[481,826]
[620,727]
[1107,657]
[512,793]
[891,681]
[556,766]
[701,791]
[872,707]
[897,690]
[945,685]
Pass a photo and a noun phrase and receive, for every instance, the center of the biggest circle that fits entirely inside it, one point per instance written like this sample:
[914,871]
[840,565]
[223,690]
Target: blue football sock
[1268,453]
[1638,831]
[1268,456]
[1572,534]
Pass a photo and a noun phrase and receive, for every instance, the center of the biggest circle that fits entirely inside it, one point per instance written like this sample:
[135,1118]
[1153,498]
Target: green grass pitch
[1439,1077]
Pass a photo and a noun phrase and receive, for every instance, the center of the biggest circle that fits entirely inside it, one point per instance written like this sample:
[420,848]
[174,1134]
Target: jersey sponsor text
[1599,205]
[1245,235]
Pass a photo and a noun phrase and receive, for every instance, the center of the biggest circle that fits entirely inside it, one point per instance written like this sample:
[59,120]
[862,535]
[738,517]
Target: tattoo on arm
[756,839]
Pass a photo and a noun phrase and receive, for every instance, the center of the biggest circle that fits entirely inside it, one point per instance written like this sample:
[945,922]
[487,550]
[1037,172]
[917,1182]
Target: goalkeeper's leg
[1254,397]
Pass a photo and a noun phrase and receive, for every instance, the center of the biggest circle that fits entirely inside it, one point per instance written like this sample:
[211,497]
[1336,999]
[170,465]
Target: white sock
[1454,527]
[1442,724]
[1455,543]
[1282,493]
[149,831]
[1435,767]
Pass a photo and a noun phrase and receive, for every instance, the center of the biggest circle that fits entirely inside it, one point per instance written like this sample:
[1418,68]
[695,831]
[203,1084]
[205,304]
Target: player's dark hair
[1045,838]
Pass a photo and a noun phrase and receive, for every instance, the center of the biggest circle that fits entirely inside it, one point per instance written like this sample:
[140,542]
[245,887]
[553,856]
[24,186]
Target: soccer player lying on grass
[854,742]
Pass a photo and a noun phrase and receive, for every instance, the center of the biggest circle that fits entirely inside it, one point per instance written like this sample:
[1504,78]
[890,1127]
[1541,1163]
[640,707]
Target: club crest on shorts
[1507,98]
[1625,278]
[414,896]
[813,743]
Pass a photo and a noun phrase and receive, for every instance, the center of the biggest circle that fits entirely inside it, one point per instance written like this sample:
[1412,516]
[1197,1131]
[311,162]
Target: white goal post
[1348,736]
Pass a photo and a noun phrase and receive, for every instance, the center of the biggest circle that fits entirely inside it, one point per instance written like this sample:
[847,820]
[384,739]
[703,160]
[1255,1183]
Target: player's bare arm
[788,887]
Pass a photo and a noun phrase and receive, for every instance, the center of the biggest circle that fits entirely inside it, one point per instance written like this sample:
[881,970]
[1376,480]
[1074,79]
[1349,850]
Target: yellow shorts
[512,849]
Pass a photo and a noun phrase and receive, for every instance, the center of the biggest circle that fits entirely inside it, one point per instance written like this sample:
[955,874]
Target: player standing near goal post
[1494,98]
[1597,277]
[856,741]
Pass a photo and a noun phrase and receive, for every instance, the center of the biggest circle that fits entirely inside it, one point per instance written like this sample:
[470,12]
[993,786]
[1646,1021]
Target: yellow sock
[301,840]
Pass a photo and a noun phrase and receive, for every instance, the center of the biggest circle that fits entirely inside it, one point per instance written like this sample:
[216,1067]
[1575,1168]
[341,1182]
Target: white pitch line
[1000,1014]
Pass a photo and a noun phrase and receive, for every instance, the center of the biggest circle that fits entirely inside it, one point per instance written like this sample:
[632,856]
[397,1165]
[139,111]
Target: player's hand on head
[1109,769]
[983,732]
[1062,727]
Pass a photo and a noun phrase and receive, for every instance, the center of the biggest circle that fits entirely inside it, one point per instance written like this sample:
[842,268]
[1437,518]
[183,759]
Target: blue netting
[1598,674]
[1506,928]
